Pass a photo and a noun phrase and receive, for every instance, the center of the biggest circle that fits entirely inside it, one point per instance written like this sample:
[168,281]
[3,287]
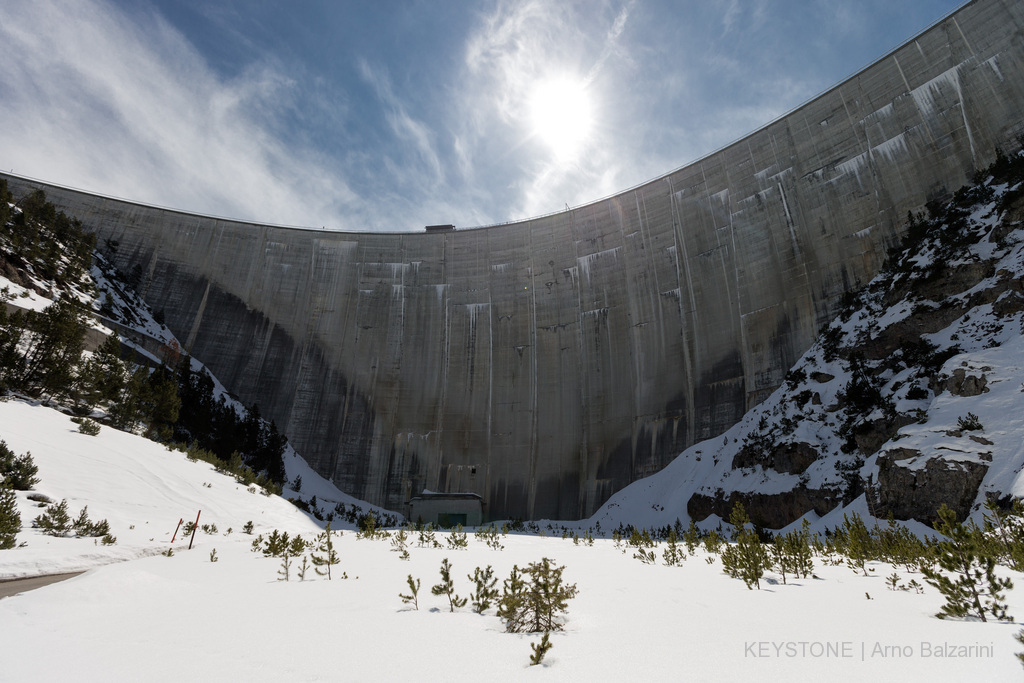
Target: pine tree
[55,520]
[102,377]
[537,603]
[746,559]
[860,546]
[10,520]
[673,555]
[691,537]
[512,605]
[780,561]
[296,546]
[1007,527]
[127,411]
[12,360]
[55,342]
[547,596]
[798,548]
[485,592]
[324,556]
[447,587]
[17,471]
[973,589]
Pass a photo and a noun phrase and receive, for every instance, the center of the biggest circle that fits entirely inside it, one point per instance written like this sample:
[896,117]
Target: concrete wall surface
[547,363]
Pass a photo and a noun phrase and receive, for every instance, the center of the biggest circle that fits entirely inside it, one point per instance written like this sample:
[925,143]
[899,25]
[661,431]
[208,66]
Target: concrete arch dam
[547,363]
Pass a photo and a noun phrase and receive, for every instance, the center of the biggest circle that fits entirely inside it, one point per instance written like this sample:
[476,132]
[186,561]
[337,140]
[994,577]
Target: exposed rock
[787,458]
[871,435]
[822,377]
[924,320]
[918,493]
[768,510]
[962,384]
[980,439]
[1009,304]
[952,280]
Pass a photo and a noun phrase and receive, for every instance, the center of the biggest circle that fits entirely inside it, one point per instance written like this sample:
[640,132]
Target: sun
[561,115]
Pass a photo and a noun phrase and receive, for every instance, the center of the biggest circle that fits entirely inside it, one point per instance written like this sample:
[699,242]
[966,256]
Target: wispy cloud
[95,98]
[405,126]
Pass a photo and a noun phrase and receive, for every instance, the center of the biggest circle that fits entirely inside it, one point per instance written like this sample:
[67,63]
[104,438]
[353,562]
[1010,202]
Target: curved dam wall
[547,363]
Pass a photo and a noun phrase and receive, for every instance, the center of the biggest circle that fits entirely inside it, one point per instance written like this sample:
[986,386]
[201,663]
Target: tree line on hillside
[42,353]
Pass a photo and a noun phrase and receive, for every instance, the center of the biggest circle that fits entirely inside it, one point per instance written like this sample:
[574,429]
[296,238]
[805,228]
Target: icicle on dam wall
[547,363]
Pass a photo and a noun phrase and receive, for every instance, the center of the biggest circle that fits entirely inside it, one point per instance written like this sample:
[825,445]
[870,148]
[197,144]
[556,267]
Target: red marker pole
[194,529]
[180,522]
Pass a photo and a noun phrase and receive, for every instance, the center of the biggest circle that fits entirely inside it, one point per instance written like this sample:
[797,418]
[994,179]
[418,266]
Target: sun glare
[561,115]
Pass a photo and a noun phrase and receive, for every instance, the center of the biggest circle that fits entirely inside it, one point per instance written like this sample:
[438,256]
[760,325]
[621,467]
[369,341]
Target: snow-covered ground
[184,617]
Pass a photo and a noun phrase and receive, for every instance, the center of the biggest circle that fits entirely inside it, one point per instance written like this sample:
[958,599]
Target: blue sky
[393,114]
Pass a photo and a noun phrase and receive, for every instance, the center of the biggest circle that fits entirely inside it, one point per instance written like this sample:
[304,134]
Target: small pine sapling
[540,649]
[88,427]
[303,568]
[646,556]
[692,537]
[779,556]
[713,542]
[801,554]
[457,539]
[427,538]
[398,544]
[286,565]
[213,555]
[490,536]
[414,593]
[447,587]
[324,556]
[108,539]
[484,592]
[247,528]
[368,526]
[82,526]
